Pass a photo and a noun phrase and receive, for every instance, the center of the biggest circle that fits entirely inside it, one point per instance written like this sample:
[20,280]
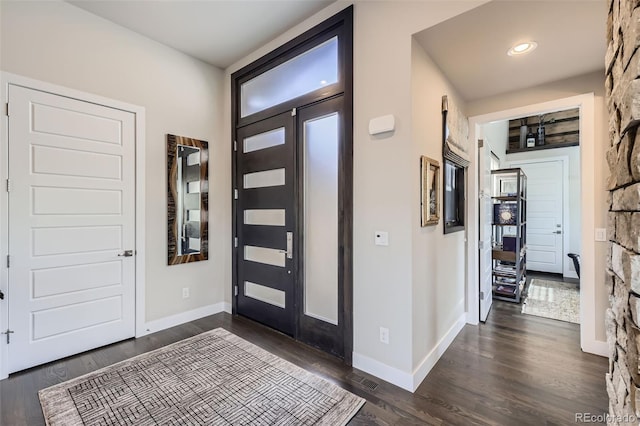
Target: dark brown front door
[292,117]
[266,222]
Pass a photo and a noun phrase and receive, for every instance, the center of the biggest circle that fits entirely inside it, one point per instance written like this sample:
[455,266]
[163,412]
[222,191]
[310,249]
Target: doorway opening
[292,180]
[583,198]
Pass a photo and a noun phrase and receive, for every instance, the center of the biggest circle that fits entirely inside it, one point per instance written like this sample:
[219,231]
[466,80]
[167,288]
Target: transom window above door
[315,69]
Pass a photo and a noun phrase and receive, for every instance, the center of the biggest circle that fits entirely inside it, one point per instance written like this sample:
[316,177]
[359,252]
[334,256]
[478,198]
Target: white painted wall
[385,179]
[592,82]
[439,260]
[58,43]
[496,135]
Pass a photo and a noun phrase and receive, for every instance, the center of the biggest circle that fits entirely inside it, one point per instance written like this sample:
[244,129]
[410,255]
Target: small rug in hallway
[214,378]
[553,299]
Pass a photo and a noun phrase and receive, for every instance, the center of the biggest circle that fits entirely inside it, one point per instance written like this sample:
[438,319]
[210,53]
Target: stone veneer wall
[623,274]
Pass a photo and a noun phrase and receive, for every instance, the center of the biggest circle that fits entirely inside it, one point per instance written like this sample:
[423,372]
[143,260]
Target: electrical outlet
[384,335]
[601,234]
[185,293]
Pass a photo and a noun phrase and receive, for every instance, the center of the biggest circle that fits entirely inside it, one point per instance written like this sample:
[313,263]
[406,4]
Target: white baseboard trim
[596,347]
[432,357]
[383,371]
[183,317]
[403,379]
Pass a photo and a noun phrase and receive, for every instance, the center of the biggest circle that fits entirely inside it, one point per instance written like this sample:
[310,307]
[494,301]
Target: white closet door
[71,218]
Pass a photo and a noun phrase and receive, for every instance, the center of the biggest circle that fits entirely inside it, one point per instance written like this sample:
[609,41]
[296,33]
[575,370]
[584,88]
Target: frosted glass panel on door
[268,217]
[263,140]
[312,70]
[264,255]
[275,177]
[265,294]
[321,144]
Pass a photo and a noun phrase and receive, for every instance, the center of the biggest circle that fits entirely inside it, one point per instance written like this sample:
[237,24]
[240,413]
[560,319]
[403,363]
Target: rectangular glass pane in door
[263,140]
[267,217]
[264,178]
[321,145]
[312,70]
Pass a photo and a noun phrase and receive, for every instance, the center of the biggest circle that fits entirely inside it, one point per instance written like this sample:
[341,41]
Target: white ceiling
[219,32]
[471,49]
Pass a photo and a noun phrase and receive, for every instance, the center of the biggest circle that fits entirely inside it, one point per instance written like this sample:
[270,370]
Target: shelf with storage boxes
[509,233]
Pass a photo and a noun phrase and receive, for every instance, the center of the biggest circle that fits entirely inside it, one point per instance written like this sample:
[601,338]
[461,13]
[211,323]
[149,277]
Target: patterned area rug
[553,299]
[215,378]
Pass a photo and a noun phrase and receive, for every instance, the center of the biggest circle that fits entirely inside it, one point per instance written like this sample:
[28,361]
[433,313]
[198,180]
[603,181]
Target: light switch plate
[601,234]
[382,238]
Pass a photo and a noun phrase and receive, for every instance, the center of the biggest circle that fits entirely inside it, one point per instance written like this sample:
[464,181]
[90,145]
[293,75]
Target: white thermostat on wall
[386,123]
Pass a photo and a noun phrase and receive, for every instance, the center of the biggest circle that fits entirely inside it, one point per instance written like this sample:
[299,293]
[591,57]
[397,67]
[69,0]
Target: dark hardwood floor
[513,370]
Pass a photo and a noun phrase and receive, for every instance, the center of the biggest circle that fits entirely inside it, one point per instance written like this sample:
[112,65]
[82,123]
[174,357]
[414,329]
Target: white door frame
[7,79]
[564,159]
[588,319]
[484,199]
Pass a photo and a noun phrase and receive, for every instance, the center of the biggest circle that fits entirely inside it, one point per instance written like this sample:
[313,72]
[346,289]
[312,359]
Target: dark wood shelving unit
[509,198]
[541,147]
[561,130]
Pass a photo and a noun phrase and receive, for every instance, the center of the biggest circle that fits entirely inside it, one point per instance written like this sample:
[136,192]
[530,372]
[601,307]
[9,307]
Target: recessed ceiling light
[522,48]
[323,82]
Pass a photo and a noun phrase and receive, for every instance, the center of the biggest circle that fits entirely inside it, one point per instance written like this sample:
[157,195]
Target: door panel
[545,182]
[321,140]
[71,213]
[265,208]
[484,225]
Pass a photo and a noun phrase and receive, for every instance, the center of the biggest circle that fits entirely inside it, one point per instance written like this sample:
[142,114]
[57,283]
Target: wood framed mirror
[187,199]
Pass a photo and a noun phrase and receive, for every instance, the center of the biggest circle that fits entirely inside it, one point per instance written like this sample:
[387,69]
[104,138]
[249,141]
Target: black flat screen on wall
[453,197]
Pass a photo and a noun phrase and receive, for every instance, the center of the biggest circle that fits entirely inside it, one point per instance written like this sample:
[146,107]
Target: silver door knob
[557,232]
[126,253]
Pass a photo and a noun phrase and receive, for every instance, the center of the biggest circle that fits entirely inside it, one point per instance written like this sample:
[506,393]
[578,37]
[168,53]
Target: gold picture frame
[429,191]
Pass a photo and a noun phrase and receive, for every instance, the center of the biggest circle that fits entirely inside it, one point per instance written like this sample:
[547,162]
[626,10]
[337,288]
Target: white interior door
[486,206]
[545,183]
[71,218]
